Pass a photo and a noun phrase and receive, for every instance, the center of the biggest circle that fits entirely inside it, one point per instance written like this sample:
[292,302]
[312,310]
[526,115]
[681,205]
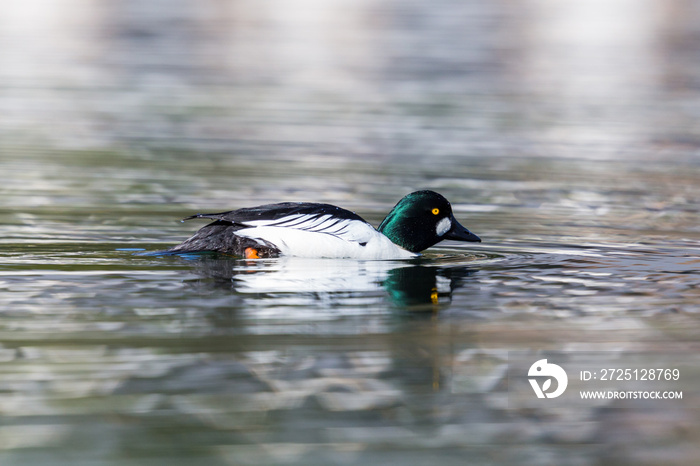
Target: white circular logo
[541,369]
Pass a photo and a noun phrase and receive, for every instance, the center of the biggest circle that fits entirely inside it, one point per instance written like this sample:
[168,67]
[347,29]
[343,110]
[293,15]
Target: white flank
[326,236]
[443,226]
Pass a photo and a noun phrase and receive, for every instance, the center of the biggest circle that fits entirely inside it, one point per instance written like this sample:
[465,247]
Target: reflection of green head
[411,286]
[418,285]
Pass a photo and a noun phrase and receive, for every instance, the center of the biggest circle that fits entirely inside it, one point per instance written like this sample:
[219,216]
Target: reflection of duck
[418,221]
[405,283]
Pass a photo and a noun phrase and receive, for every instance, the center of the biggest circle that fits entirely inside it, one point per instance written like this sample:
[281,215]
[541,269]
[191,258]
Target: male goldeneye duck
[418,221]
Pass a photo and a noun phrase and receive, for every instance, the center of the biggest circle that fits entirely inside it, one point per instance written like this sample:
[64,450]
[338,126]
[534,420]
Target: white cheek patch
[443,226]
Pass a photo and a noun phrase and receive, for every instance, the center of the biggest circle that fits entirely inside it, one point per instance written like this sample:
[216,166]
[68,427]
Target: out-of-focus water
[564,133]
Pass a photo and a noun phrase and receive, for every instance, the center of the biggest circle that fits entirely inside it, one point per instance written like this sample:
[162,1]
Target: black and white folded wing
[309,230]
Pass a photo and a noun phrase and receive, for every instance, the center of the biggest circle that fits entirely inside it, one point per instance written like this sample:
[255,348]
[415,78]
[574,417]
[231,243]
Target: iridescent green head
[423,219]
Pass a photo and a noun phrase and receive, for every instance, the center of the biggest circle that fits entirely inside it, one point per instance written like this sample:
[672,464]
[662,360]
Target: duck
[418,221]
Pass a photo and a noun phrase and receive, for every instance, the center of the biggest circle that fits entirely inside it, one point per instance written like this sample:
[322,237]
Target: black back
[279,211]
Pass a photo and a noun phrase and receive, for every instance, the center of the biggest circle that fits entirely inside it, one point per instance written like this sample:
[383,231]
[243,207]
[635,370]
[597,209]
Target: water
[564,134]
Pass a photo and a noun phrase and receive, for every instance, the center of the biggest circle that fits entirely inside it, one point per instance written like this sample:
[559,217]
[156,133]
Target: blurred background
[565,134]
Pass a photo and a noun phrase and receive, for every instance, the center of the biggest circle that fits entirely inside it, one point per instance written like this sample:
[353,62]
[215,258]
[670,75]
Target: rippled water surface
[565,135]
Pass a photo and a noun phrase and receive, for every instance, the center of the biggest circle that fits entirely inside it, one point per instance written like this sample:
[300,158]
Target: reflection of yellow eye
[434,296]
[436,211]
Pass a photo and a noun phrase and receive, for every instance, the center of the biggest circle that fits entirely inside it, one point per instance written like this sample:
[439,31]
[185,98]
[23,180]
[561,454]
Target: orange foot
[251,253]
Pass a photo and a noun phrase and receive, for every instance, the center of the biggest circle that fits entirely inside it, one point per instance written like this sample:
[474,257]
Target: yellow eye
[436,211]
